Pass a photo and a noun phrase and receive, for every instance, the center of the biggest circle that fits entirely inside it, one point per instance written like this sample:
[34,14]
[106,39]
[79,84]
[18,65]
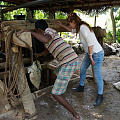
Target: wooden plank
[2,74]
[25,24]
[26,61]
[18,24]
[43,66]
[26,96]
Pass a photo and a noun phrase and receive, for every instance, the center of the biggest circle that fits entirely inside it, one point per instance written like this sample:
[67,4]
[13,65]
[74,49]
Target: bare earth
[49,109]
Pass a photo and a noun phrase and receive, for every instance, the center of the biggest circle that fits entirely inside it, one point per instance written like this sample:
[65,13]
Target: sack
[23,40]
[35,73]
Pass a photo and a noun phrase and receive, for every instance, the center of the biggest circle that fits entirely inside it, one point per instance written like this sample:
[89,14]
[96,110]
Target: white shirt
[88,38]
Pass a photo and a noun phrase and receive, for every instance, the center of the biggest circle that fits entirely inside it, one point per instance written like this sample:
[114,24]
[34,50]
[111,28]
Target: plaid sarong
[65,72]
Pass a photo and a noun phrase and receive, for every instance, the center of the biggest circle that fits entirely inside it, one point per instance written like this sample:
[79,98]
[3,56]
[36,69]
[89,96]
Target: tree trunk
[113,24]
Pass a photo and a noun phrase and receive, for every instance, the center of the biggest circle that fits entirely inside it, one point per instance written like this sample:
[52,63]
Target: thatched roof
[63,5]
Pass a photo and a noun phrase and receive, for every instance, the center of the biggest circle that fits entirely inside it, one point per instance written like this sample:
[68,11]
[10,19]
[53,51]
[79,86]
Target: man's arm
[64,26]
[44,53]
[45,38]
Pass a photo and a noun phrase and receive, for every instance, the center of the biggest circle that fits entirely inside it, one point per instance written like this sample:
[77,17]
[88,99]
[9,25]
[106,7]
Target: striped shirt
[62,51]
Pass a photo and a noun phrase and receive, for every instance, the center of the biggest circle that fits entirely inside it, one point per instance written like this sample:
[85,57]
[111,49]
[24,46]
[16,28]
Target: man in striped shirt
[68,63]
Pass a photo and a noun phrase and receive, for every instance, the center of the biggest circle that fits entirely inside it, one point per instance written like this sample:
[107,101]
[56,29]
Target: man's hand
[21,31]
[59,23]
[40,31]
[44,53]
[38,55]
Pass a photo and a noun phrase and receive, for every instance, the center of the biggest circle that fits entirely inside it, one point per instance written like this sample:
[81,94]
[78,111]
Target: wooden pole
[51,15]
[29,13]
[95,21]
[24,90]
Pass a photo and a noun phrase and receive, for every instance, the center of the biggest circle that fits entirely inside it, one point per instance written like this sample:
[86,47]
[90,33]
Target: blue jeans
[98,58]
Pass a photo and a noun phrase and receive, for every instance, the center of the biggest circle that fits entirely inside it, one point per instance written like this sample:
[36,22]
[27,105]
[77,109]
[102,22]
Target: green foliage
[117,20]
[118,35]
[10,15]
[39,14]
[60,15]
[109,37]
[118,39]
[3,3]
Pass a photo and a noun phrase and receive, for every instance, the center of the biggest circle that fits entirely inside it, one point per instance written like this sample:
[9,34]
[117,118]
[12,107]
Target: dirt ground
[49,109]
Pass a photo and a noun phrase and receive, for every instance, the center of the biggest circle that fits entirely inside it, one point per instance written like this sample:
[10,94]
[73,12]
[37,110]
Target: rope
[13,64]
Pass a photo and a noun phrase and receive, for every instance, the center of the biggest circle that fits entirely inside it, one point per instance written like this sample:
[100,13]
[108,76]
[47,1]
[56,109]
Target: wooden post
[27,99]
[95,21]
[51,14]
[29,13]
[23,87]
[1,16]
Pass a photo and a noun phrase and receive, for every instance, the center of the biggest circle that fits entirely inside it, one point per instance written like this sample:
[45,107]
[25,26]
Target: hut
[13,69]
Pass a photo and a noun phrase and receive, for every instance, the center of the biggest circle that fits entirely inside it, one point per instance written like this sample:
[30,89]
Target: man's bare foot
[77,117]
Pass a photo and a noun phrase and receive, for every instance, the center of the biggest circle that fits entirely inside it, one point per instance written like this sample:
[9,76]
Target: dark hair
[78,21]
[42,24]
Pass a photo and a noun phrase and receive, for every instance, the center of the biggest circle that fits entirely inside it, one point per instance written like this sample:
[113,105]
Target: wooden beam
[53,24]
[2,74]
[22,24]
[6,5]
[25,5]
[19,24]
[13,1]
[38,3]
[43,66]
[26,61]
[84,5]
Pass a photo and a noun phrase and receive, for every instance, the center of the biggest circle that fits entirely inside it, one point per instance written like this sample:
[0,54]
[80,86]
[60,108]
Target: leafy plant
[39,14]
[109,37]
[118,35]
[60,15]
[10,15]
